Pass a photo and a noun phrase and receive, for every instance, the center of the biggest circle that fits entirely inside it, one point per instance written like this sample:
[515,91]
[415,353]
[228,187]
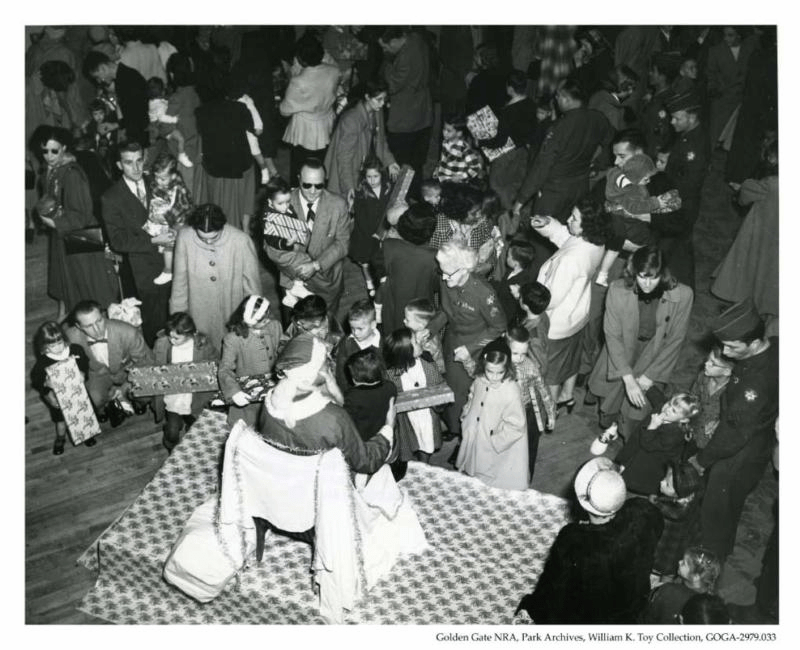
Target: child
[50,346]
[417,316]
[679,501]
[161,124]
[459,161]
[664,439]
[169,206]
[540,411]
[494,446]
[698,571]
[662,159]
[369,220]
[709,387]
[363,334]
[279,202]
[249,348]
[103,129]
[417,433]
[179,342]
[432,194]
[367,400]
[521,269]
[534,299]
[626,197]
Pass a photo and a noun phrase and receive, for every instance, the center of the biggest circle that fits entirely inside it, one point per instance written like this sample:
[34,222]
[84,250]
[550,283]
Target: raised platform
[488,547]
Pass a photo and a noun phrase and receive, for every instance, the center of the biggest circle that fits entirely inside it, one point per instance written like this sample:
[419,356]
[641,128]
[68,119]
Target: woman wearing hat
[645,325]
[214,268]
[299,415]
[598,571]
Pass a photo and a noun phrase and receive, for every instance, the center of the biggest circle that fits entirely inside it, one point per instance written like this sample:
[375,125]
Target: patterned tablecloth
[488,547]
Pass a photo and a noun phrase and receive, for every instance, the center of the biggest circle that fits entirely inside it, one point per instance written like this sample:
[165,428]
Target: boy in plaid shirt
[459,161]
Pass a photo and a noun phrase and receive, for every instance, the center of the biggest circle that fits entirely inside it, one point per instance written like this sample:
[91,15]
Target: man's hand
[645,383]
[634,392]
[394,171]
[115,392]
[241,399]
[306,270]
[163,239]
[351,197]
[516,208]
[47,221]
[461,354]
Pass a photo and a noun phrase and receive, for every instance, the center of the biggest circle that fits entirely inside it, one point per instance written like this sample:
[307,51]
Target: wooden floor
[71,499]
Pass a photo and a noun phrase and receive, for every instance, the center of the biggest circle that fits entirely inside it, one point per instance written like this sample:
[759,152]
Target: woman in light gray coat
[214,268]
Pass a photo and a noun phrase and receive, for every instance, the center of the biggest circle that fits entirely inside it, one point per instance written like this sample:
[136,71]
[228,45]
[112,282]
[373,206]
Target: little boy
[431,191]
[367,400]
[540,412]
[627,200]
[521,270]
[534,298]
[363,334]
[418,315]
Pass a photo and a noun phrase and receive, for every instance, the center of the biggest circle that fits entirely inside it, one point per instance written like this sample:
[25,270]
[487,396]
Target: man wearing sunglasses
[319,263]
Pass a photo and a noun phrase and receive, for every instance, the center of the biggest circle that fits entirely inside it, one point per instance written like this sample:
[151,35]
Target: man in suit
[124,207]
[112,347]
[319,263]
[130,88]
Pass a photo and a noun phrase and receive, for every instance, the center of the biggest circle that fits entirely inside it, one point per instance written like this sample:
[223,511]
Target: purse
[84,240]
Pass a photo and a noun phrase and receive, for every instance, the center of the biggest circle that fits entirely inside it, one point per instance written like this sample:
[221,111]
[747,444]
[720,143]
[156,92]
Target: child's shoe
[602,278]
[289,300]
[183,159]
[163,278]
[299,290]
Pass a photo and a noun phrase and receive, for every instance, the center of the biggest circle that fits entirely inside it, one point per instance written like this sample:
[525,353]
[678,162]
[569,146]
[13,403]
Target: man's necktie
[310,215]
[140,192]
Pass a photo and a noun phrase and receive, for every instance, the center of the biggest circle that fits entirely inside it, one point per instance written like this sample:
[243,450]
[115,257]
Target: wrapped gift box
[401,186]
[67,383]
[411,400]
[174,378]
[286,226]
[482,124]
[254,385]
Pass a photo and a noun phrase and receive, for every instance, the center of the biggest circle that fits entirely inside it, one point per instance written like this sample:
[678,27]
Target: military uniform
[741,446]
[688,163]
[560,171]
[474,318]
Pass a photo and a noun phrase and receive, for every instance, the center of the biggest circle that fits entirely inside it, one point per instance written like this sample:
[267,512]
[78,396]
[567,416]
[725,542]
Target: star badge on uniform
[690,156]
[750,395]
[662,114]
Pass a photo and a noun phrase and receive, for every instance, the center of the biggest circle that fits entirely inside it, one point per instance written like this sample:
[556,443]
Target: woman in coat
[66,205]
[359,134]
[308,103]
[645,325]
[214,268]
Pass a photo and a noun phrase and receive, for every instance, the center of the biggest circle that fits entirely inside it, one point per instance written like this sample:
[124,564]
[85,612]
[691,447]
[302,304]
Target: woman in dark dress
[66,205]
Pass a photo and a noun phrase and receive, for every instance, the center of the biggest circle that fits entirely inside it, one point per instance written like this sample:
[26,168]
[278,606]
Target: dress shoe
[102,416]
[568,404]
[91,442]
[139,407]
[58,446]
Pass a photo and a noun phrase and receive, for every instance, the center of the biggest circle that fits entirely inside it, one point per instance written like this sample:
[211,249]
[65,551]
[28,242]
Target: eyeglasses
[450,275]
[316,186]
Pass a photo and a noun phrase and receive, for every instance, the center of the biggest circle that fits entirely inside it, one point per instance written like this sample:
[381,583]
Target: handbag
[84,240]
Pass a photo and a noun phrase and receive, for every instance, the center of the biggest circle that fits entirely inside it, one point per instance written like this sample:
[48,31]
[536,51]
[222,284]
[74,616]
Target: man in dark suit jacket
[124,207]
[130,88]
[320,263]
[112,347]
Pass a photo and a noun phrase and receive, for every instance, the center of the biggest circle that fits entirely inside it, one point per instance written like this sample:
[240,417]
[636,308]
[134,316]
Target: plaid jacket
[459,162]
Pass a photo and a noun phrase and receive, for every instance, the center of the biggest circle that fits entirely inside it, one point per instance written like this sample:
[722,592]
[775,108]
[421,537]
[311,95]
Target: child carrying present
[168,208]
[459,161]
[627,199]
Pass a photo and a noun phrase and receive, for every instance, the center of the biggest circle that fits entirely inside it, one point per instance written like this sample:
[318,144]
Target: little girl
[418,432]
[417,316]
[169,206]
[368,398]
[279,208]
[50,347]
[459,161]
[698,571]
[180,342]
[494,446]
[103,129]
[369,219]
[163,125]
[249,348]
[666,438]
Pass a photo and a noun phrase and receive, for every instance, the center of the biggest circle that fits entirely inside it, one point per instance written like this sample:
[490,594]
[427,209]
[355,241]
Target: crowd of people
[553,253]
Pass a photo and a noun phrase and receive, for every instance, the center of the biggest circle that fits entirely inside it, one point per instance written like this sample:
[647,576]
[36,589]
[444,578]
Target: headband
[254,310]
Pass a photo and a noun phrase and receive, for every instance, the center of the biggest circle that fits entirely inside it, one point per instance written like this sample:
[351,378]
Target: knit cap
[638,167]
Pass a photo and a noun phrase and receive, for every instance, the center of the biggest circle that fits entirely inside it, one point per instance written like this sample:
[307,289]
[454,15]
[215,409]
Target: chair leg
[261,531]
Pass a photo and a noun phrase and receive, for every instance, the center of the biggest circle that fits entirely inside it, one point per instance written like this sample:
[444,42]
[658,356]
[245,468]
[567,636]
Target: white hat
[599,487]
